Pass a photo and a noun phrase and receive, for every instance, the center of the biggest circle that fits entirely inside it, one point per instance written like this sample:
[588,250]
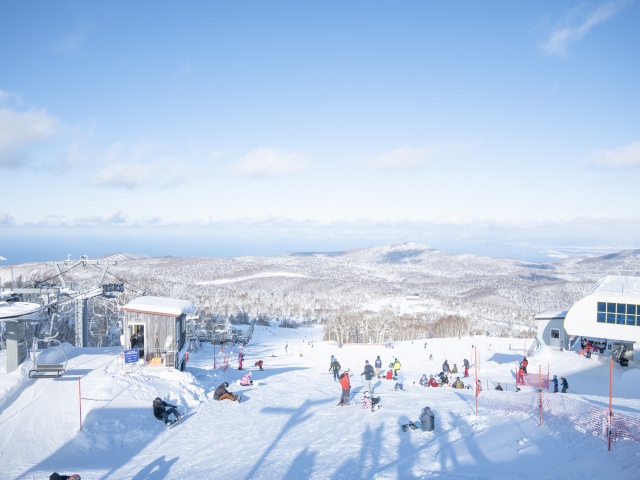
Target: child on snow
[346,388]
[246,380]
[399,381]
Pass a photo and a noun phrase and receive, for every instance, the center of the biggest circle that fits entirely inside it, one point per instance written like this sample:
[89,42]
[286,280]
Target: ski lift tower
[81,300]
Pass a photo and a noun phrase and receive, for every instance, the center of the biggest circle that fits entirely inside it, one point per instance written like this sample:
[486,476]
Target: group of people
[563,383]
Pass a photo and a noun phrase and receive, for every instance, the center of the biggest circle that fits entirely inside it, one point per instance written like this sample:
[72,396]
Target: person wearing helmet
[162,410]
[246,380]
[222,393]
[458,384]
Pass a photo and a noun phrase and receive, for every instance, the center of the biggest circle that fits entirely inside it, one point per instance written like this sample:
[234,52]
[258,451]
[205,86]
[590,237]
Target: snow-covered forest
[388,293]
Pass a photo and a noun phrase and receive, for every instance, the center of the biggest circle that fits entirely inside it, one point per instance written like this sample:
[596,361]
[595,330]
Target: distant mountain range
[501,296]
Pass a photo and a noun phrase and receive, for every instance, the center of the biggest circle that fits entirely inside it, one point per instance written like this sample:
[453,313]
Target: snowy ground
[289,426]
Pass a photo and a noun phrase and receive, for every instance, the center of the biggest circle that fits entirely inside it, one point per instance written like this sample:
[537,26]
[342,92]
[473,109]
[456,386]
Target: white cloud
[627,156]
[559,40]
[143,165]
[404,158]
[76,38]
[270,162]
[19,129]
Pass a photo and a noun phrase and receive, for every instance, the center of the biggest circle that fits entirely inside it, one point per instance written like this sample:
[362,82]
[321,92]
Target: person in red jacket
[433,382]
[524,364]
[346,388]
[389,375]
[520,376]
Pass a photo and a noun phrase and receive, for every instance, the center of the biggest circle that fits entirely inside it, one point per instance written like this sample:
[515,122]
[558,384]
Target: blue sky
[227,128]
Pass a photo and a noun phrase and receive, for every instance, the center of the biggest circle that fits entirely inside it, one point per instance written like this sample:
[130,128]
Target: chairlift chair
[49,370]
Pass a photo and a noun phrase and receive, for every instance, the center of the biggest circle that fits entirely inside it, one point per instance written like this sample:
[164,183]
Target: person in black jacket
[162,410]
[368,374]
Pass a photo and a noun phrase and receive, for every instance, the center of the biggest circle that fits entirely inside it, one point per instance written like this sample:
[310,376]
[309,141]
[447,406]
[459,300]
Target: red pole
[540,390]
[610,402]
[476,369]
[80,402]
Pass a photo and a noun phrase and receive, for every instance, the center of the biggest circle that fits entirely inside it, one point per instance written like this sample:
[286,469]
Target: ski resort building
[610,312]
[157,328]
[551,329]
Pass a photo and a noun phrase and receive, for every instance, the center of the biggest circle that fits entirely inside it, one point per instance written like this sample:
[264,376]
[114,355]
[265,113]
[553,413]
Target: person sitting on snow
[424,381]
[427,419]
[246,380]
[369,402]
[458,384]
[389,375]
[222,393]
[162,410]
[454,369]
[433,382]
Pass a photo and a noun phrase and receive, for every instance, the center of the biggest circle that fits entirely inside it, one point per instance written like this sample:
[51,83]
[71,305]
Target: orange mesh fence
[586,417]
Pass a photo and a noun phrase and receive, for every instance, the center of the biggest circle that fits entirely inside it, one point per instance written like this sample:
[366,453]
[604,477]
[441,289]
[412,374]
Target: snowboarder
[246,380]
[335,365]
[162,410]
[458,384]
[525,362]
[444,380]
[368,375]
[565,384]
[345,383]
[555,384]
[222,393]
[399,381]
[427,419]
[378,365]
[445,367]
[240,360]
[424,381]
[259,364]
[433,382]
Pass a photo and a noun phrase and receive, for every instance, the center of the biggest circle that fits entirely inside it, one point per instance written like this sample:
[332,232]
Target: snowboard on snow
[411,425]
[180,420]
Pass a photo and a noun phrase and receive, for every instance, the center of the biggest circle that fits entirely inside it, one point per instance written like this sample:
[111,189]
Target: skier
[445,367]
[259,364]
[433,382]
[520,376]
[424,381]
[162,410]
[396,366]
[427,419]
[378,365]
[240,360]
[222,393]
[555,384]
[565,384]
[524,363]
[466,371]
[399,381]
[335,365]
[346,388]
[368,375]
[246,380]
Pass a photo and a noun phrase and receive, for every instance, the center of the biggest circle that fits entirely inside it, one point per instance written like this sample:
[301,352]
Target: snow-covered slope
[288,425]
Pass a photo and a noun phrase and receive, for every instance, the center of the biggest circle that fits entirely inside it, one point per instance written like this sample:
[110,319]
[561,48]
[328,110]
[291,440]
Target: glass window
[602,317]
[611,318]
[611,307]
[620,319]
[631,309]
[555,333]
[631,319]
[622,308]
[602,307]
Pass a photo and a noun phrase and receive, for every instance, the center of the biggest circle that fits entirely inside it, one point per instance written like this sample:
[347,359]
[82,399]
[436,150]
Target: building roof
[550,315]
[617,285]
[19,311]
[171,307]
